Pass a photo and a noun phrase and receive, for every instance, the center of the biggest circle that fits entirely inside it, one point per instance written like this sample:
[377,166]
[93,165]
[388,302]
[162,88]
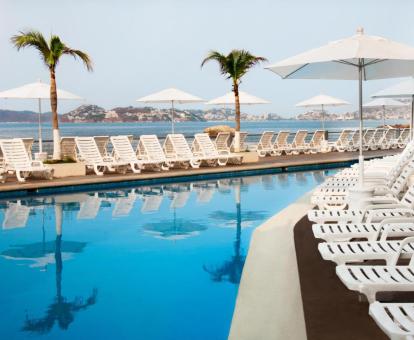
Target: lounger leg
[195,163]
[164,167]
[135,168]
[97,171]
[20,176]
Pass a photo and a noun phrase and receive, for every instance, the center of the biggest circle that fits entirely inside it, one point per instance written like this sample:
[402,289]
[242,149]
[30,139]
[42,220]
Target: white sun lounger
[345,232]
[123,152]
[89,153]
[384,193]
[369,280]
[315,144]
[341,144]
[377,138]
[265,146]
[68,147]
[360,251]
[177,151]
[353,143]
[372,213]
[390,140]
[367,139]
[150,153]
[16,160]
[403,138]
[281,143]
[299,143]
[102,144]
[204,149]
[395,319]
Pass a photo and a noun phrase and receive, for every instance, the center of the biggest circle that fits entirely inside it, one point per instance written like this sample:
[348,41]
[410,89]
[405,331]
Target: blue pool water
[161,262]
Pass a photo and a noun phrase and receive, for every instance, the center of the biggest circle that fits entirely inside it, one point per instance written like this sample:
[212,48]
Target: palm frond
[34,39]
[81,55]
[234,65]
[56,50]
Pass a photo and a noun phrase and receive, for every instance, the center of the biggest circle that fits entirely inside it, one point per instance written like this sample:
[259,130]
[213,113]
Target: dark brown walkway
[331,310]
[264,163]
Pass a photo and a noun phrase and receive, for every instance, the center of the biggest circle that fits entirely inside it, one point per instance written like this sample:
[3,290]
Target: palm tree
[50,53]
[234,66]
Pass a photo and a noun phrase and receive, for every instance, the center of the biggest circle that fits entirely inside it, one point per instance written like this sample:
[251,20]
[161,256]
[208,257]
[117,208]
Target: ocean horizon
[30,130]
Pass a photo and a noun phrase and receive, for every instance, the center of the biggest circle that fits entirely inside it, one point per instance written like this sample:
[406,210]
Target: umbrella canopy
[244,97]
[382,103]
[37,90]
[172,96]
[404,89]
[321,101]
[359,57]
[379,102]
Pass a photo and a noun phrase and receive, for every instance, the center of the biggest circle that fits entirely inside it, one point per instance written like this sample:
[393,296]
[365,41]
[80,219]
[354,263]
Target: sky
[142,46]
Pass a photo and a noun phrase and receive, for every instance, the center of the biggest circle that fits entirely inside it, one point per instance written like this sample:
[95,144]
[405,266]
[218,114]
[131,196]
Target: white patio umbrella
[172,96]
[383,103]
[359,57]
[321,101]
[39,91]
[404,89]
[244,98]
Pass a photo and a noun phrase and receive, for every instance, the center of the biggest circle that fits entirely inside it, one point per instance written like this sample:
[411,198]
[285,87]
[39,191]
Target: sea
[10,130]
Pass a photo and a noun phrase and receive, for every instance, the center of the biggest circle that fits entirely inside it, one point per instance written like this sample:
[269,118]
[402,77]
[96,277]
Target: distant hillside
[10,116]
[94,113]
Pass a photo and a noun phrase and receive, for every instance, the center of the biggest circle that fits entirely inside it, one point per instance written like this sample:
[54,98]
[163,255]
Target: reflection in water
[175,229]
[60,311]
[230,270]
[283,180]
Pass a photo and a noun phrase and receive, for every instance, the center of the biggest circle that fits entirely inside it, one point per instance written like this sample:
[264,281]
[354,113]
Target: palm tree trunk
[237,103]
[55,120]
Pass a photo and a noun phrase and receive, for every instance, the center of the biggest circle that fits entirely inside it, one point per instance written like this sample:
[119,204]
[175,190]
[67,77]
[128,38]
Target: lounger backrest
[266,139]
[343,138]
[408,198]
[102,144]
[355,137]
[281,139]
[15,153]
[390,135]
[222,141]
[367,136]
[401,180]
[300,137]
[28,144]
[88,150]
[176,145]
[123,149]
[149,148]
[317,138]
[404,136]
[378,135]
[203,144]
[68,147]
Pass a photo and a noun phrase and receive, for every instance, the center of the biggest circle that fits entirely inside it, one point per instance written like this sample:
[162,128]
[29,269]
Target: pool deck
[271,164]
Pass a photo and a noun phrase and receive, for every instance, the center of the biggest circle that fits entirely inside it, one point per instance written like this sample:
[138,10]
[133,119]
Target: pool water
[159,262]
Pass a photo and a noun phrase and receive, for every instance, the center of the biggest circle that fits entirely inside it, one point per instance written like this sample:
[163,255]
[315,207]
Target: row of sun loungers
[275,144]
[93,151]
[380,232]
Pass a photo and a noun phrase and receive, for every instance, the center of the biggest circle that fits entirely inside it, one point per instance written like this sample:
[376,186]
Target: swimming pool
[155,262]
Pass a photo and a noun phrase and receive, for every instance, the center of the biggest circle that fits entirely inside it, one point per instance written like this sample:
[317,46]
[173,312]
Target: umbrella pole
[361,126]
[172,116]
[323,119]
[40,127]
[412,117]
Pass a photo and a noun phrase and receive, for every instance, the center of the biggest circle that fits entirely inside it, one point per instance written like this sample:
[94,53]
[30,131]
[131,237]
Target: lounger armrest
[381,200]
[108,159]
[387,224]
[37,164]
